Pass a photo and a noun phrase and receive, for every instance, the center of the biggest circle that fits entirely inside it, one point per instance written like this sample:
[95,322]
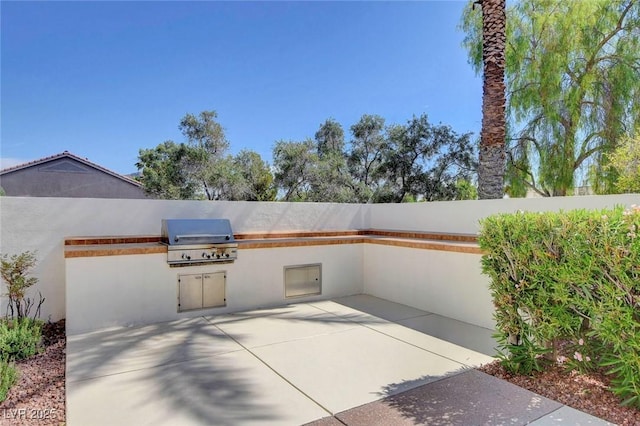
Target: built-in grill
[196,241]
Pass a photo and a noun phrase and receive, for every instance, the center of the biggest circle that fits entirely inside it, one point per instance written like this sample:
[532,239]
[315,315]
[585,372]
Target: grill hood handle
[190,236]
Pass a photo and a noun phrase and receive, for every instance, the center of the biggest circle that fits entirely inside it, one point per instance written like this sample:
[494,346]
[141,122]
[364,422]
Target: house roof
[67,154]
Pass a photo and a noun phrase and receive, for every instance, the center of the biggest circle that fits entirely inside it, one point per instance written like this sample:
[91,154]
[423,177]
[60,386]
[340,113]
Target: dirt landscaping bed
[584,392]
[38,397]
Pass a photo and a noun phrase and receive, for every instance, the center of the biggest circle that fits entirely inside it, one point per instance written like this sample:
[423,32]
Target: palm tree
[492,152]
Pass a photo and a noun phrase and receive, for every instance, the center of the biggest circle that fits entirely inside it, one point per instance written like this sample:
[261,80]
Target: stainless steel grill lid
[196,231]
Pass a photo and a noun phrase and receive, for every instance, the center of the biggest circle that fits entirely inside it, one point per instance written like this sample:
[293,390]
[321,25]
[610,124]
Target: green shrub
[20,338]
[8,377]
[573,276]
[15,272]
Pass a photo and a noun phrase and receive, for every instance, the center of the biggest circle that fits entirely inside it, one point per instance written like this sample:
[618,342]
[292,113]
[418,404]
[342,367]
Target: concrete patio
[356,360]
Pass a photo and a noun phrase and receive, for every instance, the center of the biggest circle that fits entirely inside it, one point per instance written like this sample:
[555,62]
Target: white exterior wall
[35,223]
[442,282]
[462,216]
[42,224]
[112,291]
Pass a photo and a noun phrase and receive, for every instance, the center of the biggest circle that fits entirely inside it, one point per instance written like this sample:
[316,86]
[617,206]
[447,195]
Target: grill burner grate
[197,241]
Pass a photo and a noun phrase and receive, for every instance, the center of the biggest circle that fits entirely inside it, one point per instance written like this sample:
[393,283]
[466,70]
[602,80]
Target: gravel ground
[584,392]
[38,396]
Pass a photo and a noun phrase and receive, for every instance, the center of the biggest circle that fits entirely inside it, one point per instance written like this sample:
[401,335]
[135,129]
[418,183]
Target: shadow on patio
[285,365]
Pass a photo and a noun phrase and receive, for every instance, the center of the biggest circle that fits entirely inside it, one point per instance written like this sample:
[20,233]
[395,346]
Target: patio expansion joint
[550,412]
[272,369]
[413,317]
[421,348]
[298,339]
[404,341]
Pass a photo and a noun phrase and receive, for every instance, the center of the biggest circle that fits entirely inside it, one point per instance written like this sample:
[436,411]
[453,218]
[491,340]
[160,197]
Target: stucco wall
[442,282]
[463,216]
[112,291]
[446,283]
[42,224]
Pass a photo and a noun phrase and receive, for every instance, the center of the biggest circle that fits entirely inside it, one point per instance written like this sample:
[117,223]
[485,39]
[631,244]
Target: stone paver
[569,416]
[469,398]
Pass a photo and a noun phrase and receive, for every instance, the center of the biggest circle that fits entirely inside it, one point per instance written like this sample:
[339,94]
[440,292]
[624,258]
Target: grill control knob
[218,255]
[226,254]
[208,256]
[186,256]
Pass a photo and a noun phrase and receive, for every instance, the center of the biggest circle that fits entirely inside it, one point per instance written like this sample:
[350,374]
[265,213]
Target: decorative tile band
[297,234]
[127,239]
[113,249]
[124,245]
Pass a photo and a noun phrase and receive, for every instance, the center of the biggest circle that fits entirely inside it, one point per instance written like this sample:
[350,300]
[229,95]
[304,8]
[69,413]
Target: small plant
[523,358]
[20,335]
[625,382]
[8,377]
[15,272]
[20,338]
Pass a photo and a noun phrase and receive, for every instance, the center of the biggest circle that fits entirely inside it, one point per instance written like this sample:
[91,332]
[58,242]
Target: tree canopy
[573,87]
[625,162]
[164,172]
[380,163]
[201,167]
[395,163]
[420,160]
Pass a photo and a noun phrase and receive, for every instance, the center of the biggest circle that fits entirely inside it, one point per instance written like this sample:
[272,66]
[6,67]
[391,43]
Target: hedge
[570,277]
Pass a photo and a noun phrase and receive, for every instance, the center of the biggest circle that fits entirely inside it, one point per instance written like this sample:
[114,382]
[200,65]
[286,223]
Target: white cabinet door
[213,291]
[189,292]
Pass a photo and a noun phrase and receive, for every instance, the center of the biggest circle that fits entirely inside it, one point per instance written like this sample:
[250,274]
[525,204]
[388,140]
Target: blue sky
[104,79]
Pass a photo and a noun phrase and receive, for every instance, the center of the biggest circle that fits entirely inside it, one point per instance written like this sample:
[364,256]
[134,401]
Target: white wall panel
[116,291]
[441,282]
[42,224]
[38,223]
[462,216]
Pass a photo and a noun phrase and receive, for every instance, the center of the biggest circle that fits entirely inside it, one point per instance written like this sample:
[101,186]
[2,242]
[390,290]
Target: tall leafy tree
[164,172]
[398,163]
[295,168]
[365,157]
[625,162]
[423,161]
[332,181]
[573,73]
[223,180]
[200,167]
[330,138]
[257,179]
[208,143]
[203,131]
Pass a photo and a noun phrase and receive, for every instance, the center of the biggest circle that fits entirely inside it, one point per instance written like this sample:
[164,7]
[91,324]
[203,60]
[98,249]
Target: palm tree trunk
[492,151]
